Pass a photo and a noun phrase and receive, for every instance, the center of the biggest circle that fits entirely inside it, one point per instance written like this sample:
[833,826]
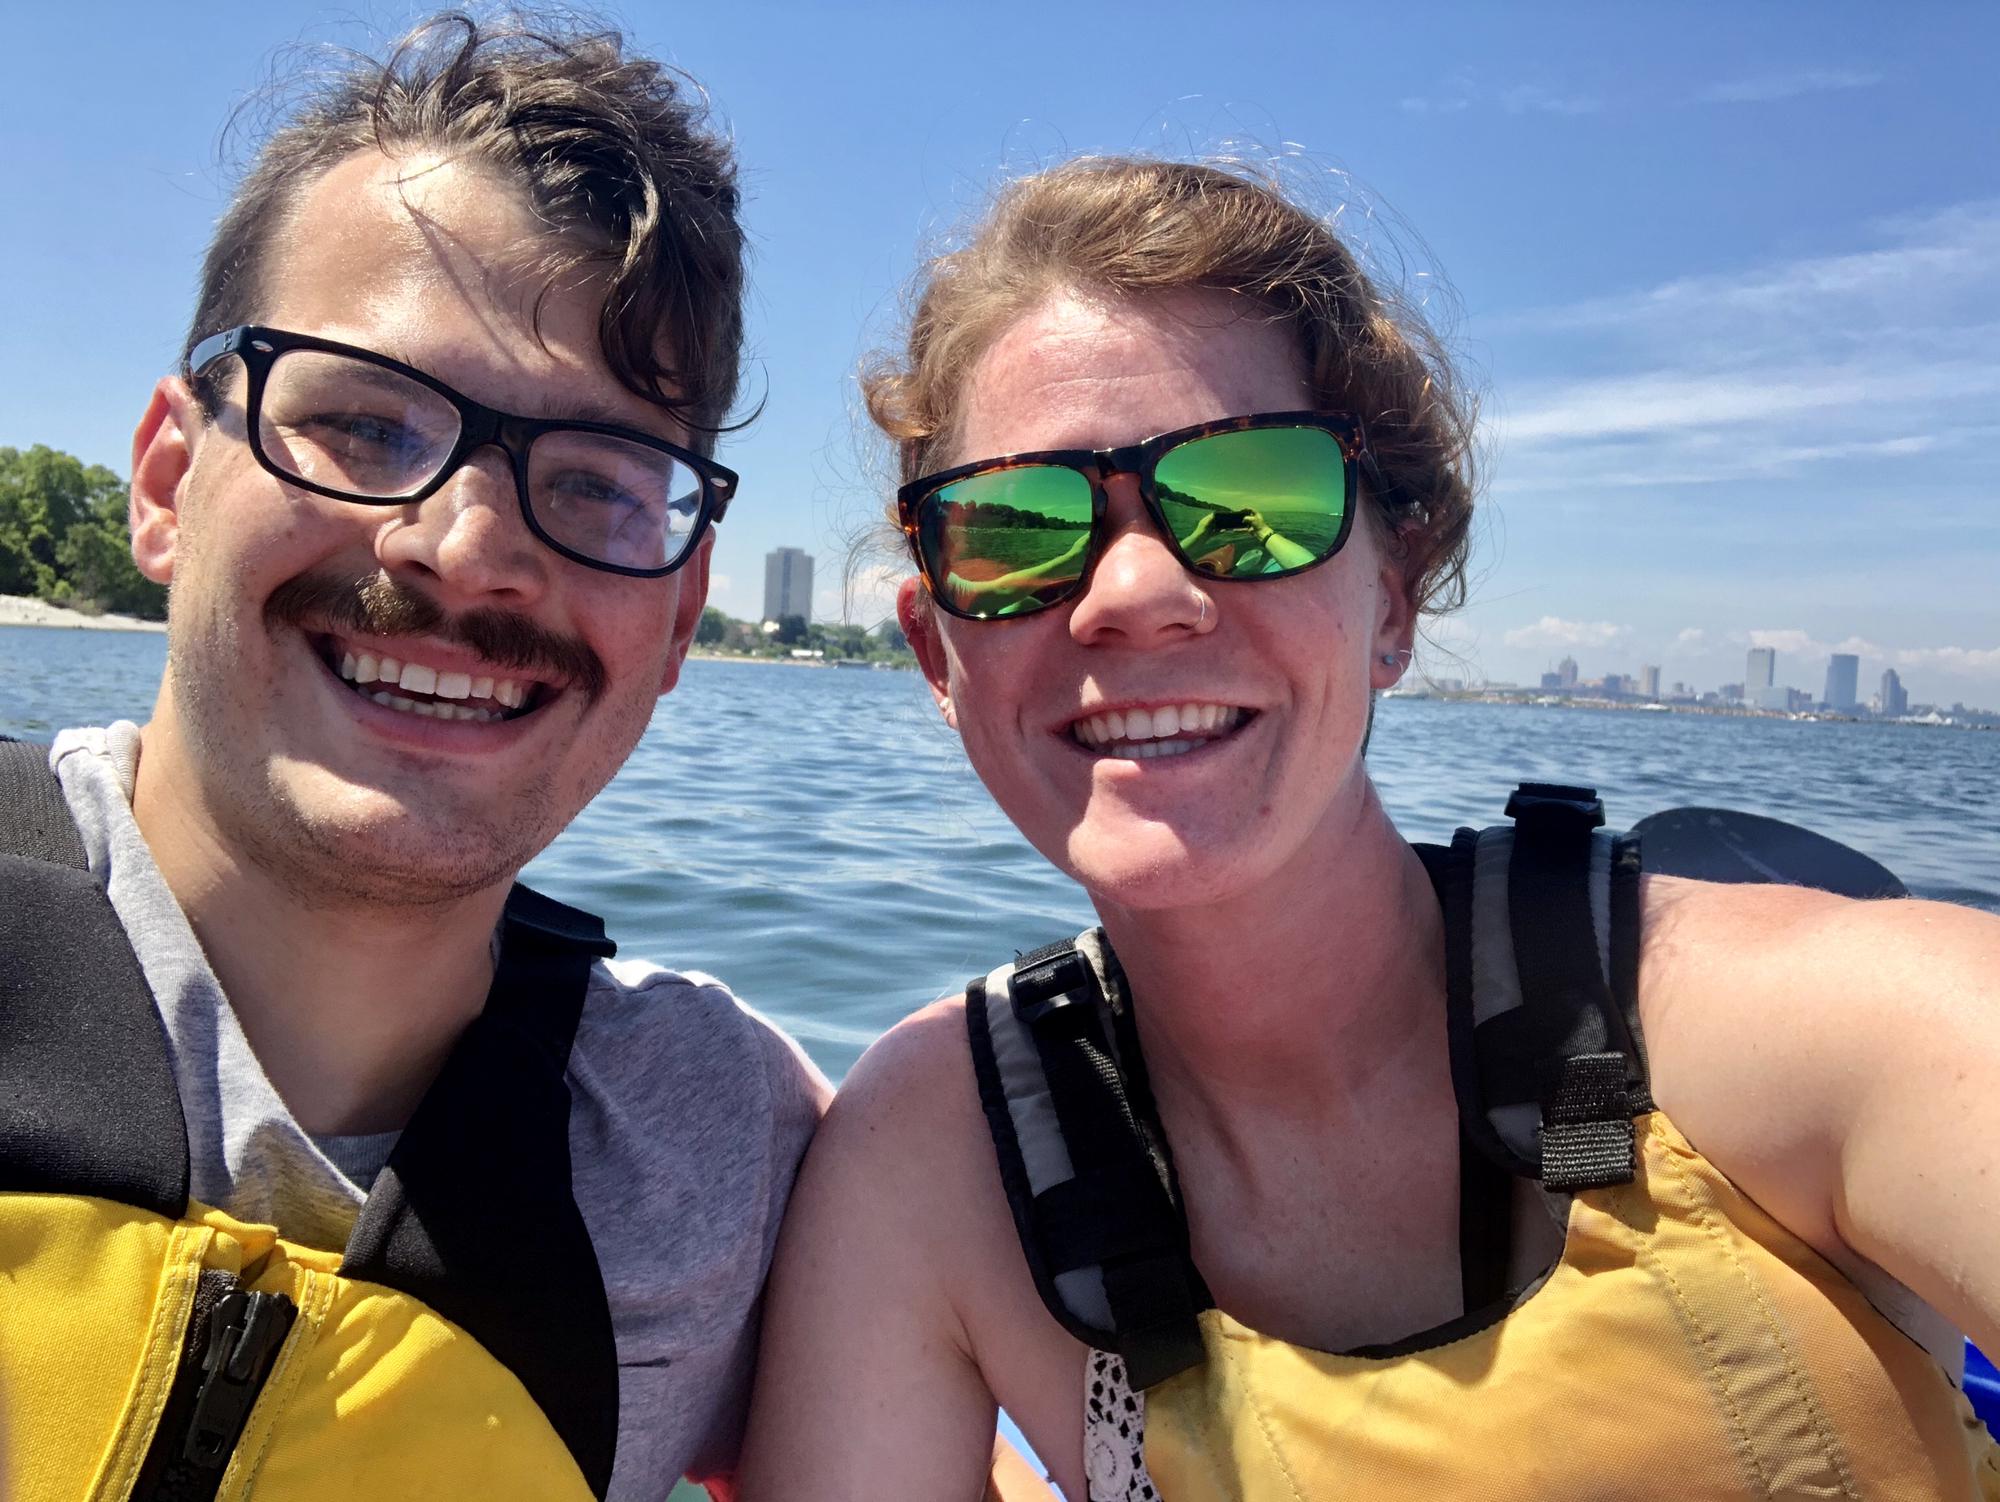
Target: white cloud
[1691,638]
[1769,87]
[867,598]
[1530,99]
[1981,662]
[1768,372]
[1463,91]
[1793,642]
[1554,631]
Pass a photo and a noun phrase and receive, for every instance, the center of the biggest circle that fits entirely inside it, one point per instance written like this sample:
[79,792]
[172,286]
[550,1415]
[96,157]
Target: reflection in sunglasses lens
[1264,501]
[1009,541]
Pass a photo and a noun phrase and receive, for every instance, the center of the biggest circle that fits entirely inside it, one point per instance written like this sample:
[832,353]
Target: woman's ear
[918,618]
[162,455]
[1395,611]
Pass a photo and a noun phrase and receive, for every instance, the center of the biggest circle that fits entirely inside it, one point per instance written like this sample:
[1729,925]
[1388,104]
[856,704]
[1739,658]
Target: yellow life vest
[459,1345]
[1683,1345]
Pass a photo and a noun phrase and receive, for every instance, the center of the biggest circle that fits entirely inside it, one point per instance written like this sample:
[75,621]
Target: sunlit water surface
[815,838]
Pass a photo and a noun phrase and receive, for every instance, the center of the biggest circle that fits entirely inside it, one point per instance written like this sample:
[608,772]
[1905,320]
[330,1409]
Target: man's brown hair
[614,153]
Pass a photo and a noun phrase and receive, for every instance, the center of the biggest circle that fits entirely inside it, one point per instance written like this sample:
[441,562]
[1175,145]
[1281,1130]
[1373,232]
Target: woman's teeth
[491,697]
[1141,734]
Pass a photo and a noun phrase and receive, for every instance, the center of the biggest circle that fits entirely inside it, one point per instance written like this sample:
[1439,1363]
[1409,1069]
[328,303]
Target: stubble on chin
[317,837]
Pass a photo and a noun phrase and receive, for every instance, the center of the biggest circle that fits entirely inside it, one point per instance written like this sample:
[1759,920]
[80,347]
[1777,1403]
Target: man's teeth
[361,668]
[1145,733]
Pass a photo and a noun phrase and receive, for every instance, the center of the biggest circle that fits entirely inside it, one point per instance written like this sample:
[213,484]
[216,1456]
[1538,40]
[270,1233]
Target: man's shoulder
[653,1033]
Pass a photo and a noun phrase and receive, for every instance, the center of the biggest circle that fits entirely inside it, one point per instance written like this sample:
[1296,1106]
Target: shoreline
[1528,699]
[25,610]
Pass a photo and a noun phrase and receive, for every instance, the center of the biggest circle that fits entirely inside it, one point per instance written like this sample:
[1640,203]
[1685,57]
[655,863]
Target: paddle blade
[1718,844]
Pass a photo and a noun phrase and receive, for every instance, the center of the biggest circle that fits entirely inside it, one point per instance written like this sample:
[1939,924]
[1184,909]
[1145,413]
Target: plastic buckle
[1049,987]
[1556,802]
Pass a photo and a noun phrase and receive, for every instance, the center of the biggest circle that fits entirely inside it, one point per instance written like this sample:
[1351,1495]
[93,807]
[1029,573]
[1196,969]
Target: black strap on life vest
[1545,1055]
[1101,1211]
[87,1098]
[1541,966]
[473,1214]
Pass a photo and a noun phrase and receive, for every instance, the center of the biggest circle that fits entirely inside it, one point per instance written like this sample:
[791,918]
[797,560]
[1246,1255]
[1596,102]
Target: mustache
[377,605]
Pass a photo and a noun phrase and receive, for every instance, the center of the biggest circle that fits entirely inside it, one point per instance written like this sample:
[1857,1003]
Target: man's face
[299,768]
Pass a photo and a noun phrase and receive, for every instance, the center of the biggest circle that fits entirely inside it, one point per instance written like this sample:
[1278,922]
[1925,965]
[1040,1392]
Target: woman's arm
[1840,1061]
[866,1383]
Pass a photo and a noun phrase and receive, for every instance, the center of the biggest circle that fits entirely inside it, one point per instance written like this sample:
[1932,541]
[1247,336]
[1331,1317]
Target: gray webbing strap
[34,819]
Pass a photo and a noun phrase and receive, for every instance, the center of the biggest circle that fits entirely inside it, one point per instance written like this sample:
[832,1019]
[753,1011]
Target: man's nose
[469,540]
[1139,591]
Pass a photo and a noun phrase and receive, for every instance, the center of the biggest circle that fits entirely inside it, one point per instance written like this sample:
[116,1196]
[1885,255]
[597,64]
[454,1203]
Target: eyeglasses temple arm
[213,348]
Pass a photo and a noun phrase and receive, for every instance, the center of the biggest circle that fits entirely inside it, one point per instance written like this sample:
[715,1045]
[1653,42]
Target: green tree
[791,630]
[713,628]
[62,533]
[846,641]
[96,563]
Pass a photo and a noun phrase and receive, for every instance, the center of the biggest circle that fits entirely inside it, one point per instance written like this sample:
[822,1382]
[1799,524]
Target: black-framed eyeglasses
[1244,498]
[358,426]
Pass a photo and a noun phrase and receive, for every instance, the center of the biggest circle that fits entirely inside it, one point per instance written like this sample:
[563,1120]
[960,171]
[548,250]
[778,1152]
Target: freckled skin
[430,262]
[1301,652]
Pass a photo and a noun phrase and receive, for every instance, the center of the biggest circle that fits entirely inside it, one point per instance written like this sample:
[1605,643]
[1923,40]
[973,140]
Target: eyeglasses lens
[1009,541]
[1262,501]
[361,430]
[351,426]
[611,500]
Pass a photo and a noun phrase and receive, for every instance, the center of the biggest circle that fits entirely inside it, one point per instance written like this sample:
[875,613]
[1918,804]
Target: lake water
[815,838]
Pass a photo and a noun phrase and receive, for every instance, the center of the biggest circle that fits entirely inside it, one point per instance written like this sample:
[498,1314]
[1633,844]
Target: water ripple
[816,838]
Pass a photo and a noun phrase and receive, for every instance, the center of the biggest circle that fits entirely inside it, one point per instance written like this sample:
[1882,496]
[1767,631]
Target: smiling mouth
[1171,730]
[416,688]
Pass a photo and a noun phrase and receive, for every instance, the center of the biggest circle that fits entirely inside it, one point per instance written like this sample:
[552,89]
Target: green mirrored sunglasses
[1244,498]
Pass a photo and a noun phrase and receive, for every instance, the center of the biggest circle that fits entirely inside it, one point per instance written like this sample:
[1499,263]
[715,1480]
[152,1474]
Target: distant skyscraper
[788,584]
[1761,671]
[1566,670]
[1894,700]
[1843,678]
[1649,682]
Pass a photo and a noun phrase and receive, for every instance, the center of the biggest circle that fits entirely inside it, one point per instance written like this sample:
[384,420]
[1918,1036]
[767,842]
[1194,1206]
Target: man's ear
[918,617]
[692,579]
[162,455]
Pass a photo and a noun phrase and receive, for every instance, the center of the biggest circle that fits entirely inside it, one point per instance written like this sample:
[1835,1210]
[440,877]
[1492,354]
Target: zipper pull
[245,1331]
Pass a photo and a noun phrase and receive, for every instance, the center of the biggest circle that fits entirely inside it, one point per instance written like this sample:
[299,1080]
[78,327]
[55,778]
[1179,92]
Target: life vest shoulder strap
[1541,965]
[87,1098]
[1541,939]
[1086,1170]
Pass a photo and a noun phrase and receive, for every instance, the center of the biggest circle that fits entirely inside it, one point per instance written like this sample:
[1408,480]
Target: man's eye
[580,488]
[360,430]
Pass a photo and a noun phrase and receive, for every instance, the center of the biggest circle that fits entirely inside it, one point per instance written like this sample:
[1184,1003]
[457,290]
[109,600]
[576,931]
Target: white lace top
[1114,1434]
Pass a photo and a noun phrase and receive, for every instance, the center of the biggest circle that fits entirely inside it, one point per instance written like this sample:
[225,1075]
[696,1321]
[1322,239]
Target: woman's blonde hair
[1127,226]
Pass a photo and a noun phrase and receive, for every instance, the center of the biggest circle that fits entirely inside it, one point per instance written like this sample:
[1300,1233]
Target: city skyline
[1724,291]
[1764,686]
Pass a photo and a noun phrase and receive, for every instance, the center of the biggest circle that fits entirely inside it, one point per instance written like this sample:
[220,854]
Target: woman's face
[1278,674]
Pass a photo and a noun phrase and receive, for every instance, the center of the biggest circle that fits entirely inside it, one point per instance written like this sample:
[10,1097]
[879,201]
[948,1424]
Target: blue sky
[1729,276]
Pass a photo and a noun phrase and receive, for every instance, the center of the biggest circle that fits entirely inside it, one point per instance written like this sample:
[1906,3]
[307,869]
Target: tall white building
[1843,681]
[1761,671]
[788,584]
[1649,681]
